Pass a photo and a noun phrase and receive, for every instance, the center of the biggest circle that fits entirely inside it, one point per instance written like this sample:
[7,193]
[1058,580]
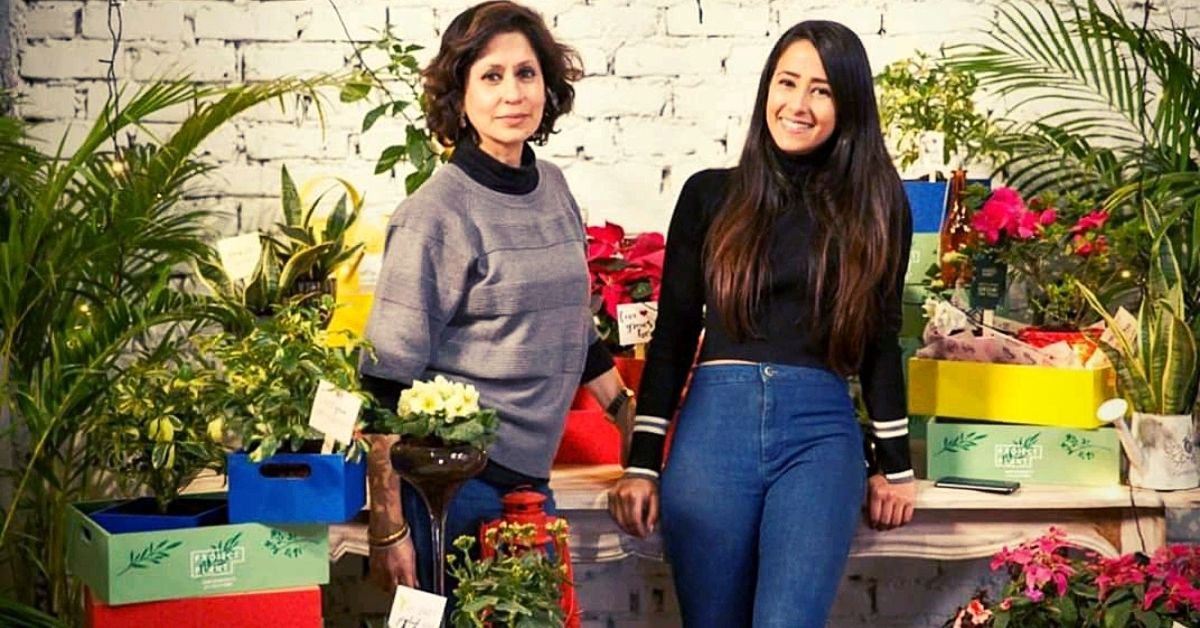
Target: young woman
[799,256]
[484,278]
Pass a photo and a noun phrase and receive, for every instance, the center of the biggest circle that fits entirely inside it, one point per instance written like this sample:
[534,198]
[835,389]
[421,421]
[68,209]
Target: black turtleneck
[788,332]
[495,174]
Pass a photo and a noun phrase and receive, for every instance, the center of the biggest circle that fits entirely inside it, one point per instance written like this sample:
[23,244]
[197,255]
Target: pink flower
[978,612]
[1094,220]
[1000,212]
[1006,604]
[1085,247]
[1025,225]
[1048,217]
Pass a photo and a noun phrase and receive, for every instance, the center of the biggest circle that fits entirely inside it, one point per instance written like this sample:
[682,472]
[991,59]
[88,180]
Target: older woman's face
[505,96]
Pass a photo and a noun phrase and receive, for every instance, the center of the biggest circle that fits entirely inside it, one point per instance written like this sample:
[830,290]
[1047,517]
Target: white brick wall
[668,90]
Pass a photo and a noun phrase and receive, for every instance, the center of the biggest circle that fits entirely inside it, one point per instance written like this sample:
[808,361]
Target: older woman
[484,278]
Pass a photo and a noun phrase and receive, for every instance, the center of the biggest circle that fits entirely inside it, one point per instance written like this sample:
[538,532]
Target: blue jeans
[761,495]
[476,503]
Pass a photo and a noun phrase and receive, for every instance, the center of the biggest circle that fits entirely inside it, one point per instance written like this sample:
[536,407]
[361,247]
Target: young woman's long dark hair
[854,194]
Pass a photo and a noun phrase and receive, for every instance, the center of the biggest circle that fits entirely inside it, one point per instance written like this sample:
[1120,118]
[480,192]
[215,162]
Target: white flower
[405,406]
[444,387]
[427,402]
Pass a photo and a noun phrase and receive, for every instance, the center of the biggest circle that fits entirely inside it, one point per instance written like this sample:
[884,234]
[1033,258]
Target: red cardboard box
[284,608]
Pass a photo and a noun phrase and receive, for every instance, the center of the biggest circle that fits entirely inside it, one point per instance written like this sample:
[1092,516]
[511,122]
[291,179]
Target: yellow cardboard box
[1008,393]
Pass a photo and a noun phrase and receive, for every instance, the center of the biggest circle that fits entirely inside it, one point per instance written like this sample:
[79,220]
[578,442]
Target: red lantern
[525,507]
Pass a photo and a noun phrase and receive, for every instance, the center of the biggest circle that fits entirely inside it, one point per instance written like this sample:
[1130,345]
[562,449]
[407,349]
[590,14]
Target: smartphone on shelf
[1003,487]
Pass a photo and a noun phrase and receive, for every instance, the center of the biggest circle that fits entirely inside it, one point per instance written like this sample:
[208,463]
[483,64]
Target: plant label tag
[412,608]
[239,255]
[635,322]
[368,270]
[932,146]
[334,412]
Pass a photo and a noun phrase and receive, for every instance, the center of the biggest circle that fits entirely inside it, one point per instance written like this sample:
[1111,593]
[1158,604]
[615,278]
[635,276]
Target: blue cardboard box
[295,488]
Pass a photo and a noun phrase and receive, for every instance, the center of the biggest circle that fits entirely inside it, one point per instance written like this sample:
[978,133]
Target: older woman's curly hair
[462,44]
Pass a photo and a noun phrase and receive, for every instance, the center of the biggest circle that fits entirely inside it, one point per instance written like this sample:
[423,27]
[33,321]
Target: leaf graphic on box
[1028,442]
[1080,447]
[961,442]
[152,554]
[291,545]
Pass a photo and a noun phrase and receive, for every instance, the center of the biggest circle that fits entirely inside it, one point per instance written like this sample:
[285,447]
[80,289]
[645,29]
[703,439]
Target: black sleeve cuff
[599,361]
[646,452]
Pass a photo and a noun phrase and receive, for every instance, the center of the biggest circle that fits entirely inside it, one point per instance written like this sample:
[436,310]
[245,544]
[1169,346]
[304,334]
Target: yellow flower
[405,406]
[444,387]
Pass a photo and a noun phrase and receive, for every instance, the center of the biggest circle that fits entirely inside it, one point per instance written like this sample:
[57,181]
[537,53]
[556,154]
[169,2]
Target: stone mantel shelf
[949,524]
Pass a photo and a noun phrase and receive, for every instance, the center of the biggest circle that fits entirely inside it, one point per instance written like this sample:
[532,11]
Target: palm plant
[1121,103]
[87,241]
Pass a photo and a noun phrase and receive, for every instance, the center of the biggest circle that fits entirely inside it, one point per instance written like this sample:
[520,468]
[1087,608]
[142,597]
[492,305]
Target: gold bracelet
[390,539]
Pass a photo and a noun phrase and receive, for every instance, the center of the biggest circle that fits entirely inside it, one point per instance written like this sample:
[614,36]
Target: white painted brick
[45,102]
[614,23]
[670,138]
[269,61]
[653,59]
[714,97]
[67,60]
[157,21]
[745,60]
[604,96]
[223,144]
[206,62]
[51,19]
[584,138]
[242,179]
[908,19]
[719,19]
[882,50]
[278,141]
[47,135]
[596,56]
[414,25]
[627,193]
[862,19]
[364,21]
[257,21]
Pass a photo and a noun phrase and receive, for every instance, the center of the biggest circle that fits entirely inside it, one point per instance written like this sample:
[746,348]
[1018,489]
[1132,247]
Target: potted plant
[517,584]
[298,263]
[271,376]
[1156,370]
[1051,245]
[923,95]
[444,435]
[623,270]
[1050,586]
[162,427]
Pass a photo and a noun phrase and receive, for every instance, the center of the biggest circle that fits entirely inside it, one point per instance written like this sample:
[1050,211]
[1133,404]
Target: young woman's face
[800,110]
[505,96]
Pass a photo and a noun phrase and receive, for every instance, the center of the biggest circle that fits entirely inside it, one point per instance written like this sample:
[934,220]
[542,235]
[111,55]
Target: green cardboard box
[192,562]
[1025,453]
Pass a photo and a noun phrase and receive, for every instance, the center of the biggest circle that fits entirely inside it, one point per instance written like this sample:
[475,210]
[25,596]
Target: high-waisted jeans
[761,495]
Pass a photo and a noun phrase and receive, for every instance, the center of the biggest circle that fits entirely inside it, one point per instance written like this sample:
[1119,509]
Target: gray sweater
[489,289]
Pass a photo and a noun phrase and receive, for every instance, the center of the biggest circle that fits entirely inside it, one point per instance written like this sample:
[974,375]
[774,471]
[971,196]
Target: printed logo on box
[219,559]
[1017,456]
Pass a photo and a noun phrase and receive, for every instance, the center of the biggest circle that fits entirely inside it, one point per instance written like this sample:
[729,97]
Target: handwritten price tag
[416,609]
[239,255]
[334,412]
[635,322]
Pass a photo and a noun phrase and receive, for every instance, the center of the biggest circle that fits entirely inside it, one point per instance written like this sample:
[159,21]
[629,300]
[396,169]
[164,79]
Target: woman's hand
[889,505]
[633,504]
[394,565]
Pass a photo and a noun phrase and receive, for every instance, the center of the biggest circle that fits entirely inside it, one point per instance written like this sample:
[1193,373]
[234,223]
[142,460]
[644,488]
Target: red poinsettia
[623,270]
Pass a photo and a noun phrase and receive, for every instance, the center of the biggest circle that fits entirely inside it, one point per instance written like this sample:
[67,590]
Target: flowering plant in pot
[163,425]
[1050,586]
[517,586]
[623,270]
[272,373]
[1052,243]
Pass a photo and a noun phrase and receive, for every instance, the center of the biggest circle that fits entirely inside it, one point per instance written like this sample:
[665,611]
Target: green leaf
[388,158]
[372,116]
[354,91]
[290,198]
